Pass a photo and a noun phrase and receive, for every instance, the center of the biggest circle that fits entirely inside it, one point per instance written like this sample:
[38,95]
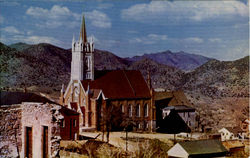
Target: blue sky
[218,29]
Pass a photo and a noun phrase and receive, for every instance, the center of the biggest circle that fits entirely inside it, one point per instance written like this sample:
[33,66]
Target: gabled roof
[180,108]
[202,147]
[234,130]
[175,97]
[120,84]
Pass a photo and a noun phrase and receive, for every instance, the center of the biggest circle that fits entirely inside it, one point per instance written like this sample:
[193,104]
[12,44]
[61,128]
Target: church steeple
[83,34]
[82,64]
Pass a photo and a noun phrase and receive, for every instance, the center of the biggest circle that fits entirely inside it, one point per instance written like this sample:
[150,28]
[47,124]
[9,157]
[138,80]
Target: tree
[127,125]
[111,119]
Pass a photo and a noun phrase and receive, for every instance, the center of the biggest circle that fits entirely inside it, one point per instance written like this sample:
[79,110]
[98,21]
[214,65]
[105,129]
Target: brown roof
[233,144]
[120,84]
[234,130]
[176,97]
[73,105]
[9,98]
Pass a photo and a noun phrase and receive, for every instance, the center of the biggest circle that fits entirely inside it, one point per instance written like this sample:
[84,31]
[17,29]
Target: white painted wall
[226,135]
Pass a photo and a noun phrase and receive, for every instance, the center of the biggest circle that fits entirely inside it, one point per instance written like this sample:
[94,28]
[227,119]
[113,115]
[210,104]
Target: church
[91,92]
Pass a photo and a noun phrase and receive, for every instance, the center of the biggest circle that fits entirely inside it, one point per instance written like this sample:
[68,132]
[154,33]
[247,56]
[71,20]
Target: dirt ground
[116,138]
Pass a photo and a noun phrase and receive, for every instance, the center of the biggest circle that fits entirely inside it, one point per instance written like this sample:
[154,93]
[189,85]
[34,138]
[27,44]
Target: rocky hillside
[41,65]
[220,78]
[20,46]
[44,65]
[219,90]
[109,61]
[180,60]
[162,76]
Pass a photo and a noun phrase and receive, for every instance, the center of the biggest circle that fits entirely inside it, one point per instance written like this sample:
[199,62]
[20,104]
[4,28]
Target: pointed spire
[73,40]
[62,90]
[88,91]
[83,34]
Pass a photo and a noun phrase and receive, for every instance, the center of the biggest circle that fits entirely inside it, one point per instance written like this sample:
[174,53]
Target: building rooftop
[10,98]
[119,84]
[174,97]
[180,108]
[234,130]
[201,147]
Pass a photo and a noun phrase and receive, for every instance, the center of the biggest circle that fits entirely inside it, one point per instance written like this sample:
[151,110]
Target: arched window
[138,110]
[130,110]
[122,108]
[146,110]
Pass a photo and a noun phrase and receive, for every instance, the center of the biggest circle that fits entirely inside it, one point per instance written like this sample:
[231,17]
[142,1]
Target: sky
[217,29]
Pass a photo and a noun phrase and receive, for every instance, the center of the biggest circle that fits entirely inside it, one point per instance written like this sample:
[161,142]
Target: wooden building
[166,102]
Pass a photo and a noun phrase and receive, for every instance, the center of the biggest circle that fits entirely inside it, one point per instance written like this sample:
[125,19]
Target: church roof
[120,84]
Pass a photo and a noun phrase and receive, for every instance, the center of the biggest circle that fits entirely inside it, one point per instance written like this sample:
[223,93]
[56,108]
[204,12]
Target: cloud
[9,3]
[55,17]
[193,40]
[11,30]
[184,10]
[36,39]
[215,40]
[149,39]
[98,19]
[236,51]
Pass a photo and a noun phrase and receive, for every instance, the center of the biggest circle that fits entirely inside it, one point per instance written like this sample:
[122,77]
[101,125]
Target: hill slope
[181,60]
[162,76]
[220,78]
[20,46]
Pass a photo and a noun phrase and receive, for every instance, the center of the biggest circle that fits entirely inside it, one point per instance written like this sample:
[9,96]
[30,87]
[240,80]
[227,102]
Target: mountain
[162,76]
[20,46]
[219,90]
[109,61]
[220,78]
[181,60]
[42,65]
[45,66]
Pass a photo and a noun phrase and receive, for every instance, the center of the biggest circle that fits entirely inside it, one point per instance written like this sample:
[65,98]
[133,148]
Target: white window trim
[147,110]
[130,112]
[139,110]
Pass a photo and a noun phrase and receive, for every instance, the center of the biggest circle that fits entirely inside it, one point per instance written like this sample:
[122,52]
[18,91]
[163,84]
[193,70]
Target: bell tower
[82,64]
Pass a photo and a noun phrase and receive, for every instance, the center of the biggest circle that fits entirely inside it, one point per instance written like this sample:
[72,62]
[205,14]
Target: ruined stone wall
[10,130]
[38,115]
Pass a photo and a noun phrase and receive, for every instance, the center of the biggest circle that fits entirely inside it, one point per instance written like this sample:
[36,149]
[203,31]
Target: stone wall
[15,118]
[38,115]
[10,131]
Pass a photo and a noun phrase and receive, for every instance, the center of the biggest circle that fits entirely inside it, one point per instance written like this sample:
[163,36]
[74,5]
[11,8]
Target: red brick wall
[70,128]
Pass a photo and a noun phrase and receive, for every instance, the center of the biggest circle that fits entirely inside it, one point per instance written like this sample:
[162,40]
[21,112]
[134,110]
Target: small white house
[229,133]
[198,148]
